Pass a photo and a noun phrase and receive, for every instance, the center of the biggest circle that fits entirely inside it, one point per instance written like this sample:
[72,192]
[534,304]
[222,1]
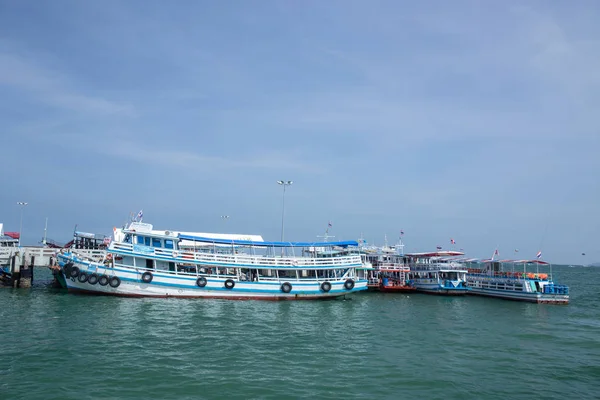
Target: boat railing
[240,258]
[437,267]
[510,275]
[393,267]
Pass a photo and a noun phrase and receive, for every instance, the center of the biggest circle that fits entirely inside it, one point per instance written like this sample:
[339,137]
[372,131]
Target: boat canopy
[267,244]
[443,253]
[539,262]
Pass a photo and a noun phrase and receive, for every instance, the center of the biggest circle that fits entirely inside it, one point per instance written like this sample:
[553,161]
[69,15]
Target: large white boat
[437,272]
[510,279]
[144,262]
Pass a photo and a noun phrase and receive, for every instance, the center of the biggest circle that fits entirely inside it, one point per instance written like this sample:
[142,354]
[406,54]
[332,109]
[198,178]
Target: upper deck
[142,241]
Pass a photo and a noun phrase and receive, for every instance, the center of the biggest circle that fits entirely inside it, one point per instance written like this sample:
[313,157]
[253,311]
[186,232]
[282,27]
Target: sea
[56,345]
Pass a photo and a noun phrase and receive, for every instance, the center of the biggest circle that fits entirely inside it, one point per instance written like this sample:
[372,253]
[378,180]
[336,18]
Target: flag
[539,254]
[401,232]
[516,250]
[496,252]
[439,247]
[583,254]
[329,224]
[452,241]
[140,216]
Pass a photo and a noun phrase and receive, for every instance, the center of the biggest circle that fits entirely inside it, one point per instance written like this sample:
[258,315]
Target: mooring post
[15,269]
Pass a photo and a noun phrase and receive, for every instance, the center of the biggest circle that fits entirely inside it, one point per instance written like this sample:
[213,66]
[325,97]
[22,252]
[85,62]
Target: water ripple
[60,346]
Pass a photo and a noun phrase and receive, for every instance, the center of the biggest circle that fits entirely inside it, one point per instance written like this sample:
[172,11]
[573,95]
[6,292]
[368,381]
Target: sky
[469,120]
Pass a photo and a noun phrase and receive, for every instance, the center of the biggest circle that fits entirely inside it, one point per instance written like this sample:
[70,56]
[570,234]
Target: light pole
[22,204]
[284,184]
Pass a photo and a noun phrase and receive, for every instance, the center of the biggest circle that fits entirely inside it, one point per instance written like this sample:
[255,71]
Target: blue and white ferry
[437,272]
[144,262]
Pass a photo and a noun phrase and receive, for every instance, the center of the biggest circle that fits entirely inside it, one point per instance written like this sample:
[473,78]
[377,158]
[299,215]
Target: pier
[21,264]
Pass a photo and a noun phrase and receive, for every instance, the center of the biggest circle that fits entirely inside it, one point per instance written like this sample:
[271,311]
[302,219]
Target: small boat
[391,272]
[510,279]
[9,243]
[154,264]
[437,272]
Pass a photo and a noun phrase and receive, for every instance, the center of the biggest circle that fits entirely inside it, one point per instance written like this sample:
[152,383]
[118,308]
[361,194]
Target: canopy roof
[441,253]
[540,262]
[233,242]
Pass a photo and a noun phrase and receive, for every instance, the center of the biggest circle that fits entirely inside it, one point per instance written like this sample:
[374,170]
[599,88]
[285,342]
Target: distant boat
[437,272]
[509,279]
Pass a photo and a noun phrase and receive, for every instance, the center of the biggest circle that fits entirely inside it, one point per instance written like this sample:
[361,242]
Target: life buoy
[74,272]
[201,282]
[83,277]
[147,277]
[326,286]
[229,284]
[103,280]
[295,263]
[114,282]
[175,254]
[93,278]
[349,284]
[286,287]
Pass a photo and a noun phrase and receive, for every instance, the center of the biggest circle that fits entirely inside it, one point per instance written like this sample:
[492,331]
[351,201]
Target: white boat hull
[166,284]
[533,297]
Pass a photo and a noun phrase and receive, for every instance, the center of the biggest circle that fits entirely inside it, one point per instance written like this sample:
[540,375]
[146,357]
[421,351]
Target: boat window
[140,240]
[147,241]
[168,244]
[156,242]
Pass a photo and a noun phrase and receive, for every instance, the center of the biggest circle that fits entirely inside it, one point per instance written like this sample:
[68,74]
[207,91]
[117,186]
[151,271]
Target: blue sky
[469,120]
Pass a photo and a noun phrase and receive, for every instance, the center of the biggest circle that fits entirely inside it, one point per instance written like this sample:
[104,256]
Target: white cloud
[53,88]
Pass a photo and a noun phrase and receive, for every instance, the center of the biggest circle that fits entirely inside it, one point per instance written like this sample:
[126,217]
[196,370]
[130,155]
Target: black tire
[114,282]
[286,287]
[349,284]
[83,277]
[93,278]
[147,277]
[326,286]
[74,272]
[201,282]
[229,284]
[103,280]
[67,269]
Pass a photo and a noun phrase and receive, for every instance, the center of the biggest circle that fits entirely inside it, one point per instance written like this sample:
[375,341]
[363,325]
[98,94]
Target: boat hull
[521,296]
[397,289]
[164,284]
[437,288]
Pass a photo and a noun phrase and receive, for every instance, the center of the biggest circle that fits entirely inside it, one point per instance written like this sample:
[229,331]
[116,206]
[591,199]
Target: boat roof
[6,238]
[441,253]
[234,242]
[539,262]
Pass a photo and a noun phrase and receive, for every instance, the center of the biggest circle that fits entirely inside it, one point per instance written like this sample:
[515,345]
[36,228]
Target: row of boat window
[194,269]
[151,241]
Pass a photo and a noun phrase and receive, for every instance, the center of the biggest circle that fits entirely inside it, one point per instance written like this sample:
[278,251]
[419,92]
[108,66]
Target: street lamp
[284,184]
[22,204]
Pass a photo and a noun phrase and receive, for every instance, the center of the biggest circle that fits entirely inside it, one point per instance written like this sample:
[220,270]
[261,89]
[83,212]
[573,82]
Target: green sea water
[386,346]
